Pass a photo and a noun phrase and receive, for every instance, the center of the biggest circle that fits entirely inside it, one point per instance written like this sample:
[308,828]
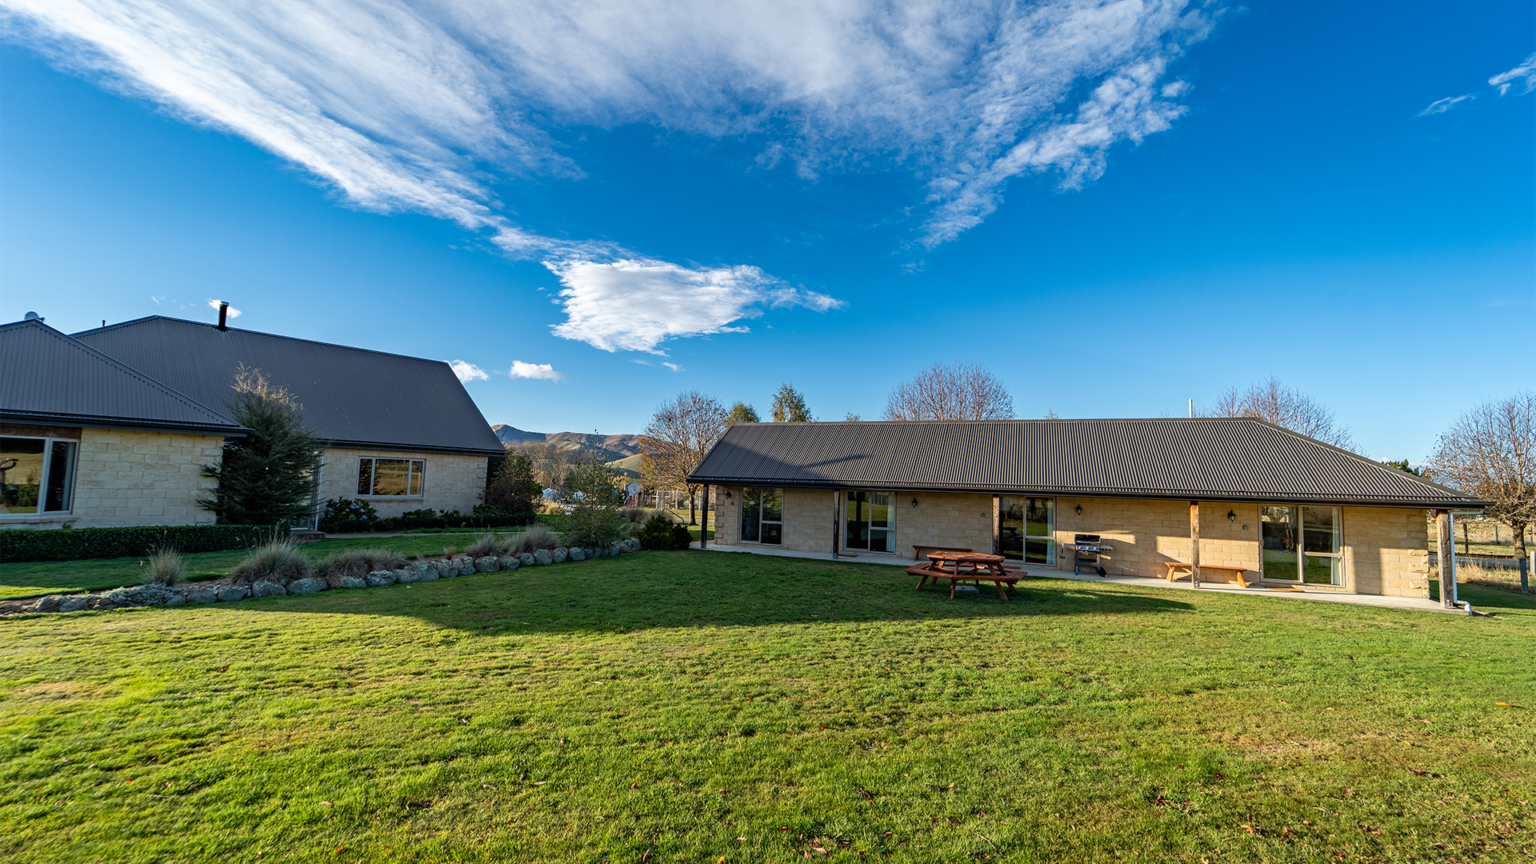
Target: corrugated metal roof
[47,377]
[351,396]
[1229,459]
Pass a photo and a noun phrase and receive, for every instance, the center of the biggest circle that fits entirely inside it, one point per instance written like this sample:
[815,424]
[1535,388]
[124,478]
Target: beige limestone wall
[1146,534]
[1386,551]
[450,482]
[943,519]
[127,478]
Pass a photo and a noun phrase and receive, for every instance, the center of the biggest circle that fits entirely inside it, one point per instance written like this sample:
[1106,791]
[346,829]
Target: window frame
[1300,551]
[869,522]
[1048,538]
[742,526]
[70,475]
[415,477]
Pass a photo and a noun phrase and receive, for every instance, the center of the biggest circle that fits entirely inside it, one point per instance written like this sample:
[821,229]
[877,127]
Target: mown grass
[34,578]
[692,706]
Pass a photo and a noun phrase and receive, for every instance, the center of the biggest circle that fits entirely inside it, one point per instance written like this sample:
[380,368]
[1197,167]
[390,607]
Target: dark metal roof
[47,377]
[1227,459]
[352,397]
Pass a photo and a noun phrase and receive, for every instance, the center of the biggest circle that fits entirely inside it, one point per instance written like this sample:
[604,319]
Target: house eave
[98,422]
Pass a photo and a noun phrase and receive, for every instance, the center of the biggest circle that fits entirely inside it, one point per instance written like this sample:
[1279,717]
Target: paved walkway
[1415,603]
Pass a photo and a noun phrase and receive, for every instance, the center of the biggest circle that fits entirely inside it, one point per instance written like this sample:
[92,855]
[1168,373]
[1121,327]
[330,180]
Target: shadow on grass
[654,590]
[1485,598]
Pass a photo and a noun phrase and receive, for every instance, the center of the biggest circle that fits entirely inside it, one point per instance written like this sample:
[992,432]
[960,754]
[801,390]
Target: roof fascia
[96,422]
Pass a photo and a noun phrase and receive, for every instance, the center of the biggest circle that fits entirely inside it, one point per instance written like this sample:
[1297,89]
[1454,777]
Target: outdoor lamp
[1079,509]
[1231,516]
[914,502]
[727,494]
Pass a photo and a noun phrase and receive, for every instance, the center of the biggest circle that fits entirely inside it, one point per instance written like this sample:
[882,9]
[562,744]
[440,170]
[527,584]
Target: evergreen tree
[789,406]
[265,478]
[741,412]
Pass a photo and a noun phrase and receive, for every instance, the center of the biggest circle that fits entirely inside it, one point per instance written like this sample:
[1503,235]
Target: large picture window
[1027,529]
[37,475]
[869,521]
[1302,544]
[389,476]
[762,516]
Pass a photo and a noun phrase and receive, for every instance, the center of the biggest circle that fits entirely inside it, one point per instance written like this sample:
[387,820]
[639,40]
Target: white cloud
[468,371]
[637,304]
[545,371]
[214,305]
[1525,71]
[1440,106]
[673,366]
[406,106]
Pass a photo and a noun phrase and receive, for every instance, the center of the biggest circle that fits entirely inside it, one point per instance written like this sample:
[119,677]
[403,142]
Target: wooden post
[837,504]
[997,525]
[1194,544]
[1445,551]
[704,524]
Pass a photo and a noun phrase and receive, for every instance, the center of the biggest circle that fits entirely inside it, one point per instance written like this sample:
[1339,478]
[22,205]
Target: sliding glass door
[762,516]
[869,521]
[1027,529]
[1302,544]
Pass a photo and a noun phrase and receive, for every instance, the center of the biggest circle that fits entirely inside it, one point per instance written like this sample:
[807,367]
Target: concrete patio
[1418,604]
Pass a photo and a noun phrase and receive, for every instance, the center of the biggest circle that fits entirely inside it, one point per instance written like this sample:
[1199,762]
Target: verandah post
[1194,544]
[704,528]
[997,525]
[837,503]
[1445,551]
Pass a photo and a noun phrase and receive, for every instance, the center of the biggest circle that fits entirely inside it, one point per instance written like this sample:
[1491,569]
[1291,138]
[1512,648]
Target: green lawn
[691,706]
[30,579]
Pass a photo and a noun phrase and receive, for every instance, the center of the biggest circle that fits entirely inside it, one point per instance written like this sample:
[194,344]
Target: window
[389,476]
[870,521]
[1027,529]
[762,516]
[1302,544]
[37,475]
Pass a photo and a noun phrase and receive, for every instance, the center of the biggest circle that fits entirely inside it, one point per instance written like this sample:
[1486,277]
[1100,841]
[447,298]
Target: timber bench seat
[1235,572]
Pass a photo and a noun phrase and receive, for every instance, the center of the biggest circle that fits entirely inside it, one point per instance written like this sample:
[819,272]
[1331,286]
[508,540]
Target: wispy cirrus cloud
[410,106]
[467,372]
[1522,76]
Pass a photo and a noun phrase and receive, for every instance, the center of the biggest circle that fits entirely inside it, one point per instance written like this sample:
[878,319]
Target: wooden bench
[1235,572]
[999,578]
[917,551]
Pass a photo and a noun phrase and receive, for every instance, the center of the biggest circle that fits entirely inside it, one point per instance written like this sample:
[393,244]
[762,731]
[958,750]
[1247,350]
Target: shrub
[656,533]
[681,539]
[265,477]
[356,562]
[594,520]
[486,545]
[277,560]
[364,519]
[538,536]
[633,515]
[59,544]
[512,489]
[165,567]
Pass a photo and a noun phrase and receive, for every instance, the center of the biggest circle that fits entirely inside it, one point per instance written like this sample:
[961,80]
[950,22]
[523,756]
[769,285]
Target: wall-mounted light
[914,502]
[1079,509]
[1231,516]
[727,494]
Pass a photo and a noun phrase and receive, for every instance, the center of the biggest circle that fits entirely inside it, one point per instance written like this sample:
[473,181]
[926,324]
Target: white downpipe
[1455,595]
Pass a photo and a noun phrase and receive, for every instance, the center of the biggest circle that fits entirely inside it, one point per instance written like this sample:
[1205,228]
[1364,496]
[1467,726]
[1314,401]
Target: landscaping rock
[75,603]
[232,593]
[578,554]
[202,592]
[47,604]
[509,562]
[465,564]
[488,564]
[99,601]
[155,594]
[560,554]
[616,549]
[125,597]
[177,597]
[268,589]
[543,557]
[382,577]
[308,585]
[444,568]
[634,544]
[352,582]
[525,559]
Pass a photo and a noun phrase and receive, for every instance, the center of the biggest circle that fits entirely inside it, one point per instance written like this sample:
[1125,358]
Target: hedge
[73,544]
[408,523]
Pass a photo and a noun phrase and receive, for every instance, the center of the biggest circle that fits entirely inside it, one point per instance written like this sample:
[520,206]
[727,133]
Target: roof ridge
[70,341]
[147,318]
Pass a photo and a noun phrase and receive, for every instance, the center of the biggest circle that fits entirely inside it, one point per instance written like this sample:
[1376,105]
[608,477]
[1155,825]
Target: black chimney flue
[223,315]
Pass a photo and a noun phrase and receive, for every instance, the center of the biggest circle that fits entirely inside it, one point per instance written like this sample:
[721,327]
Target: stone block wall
[449,481]
[125,478]
[1147,534]
[1386,552]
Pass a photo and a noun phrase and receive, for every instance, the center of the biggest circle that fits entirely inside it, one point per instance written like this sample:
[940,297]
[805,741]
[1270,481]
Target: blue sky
[1114,207]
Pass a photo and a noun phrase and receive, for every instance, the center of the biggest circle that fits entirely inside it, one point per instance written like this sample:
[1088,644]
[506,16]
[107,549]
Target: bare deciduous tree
[1276,403]
[1490,452]
[964,391]
[677,440]
[551,463]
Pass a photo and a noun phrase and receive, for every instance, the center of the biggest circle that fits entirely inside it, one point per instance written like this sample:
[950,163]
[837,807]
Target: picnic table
[917,551]
[974,567]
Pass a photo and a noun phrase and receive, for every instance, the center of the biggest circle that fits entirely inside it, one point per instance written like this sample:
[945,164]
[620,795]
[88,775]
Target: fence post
[1526,566]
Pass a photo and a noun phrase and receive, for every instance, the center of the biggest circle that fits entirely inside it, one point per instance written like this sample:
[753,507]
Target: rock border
[224,591]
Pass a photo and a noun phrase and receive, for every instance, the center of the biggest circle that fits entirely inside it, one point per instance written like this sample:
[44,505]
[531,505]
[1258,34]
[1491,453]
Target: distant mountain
[619,446]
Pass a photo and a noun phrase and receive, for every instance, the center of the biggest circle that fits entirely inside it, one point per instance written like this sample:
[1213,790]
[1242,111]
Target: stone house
[1260,503]
[112,426]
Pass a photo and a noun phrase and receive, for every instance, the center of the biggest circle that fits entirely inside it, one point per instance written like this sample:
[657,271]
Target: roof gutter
[85,421]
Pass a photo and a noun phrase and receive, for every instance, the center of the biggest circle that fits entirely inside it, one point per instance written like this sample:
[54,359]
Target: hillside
[620,446]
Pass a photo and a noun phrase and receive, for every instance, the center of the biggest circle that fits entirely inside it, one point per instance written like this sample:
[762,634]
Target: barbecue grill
[1087,551]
